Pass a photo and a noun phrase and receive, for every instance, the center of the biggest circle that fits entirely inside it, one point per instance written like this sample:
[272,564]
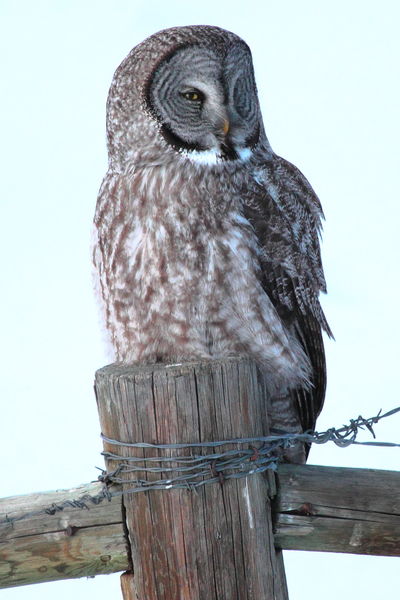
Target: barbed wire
[251,455]
[254,455]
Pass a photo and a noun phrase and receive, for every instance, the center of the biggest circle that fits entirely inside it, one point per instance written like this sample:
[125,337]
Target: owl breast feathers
[206,242]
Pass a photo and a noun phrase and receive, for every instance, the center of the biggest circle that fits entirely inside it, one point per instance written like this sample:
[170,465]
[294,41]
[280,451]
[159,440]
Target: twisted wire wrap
[254,455]
[197,470]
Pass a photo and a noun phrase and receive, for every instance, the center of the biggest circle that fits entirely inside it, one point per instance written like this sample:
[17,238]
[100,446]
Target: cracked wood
[216,542]
[338,509]
[73,542]
[319,508]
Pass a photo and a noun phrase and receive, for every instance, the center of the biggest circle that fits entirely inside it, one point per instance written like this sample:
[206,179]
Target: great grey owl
[206,242]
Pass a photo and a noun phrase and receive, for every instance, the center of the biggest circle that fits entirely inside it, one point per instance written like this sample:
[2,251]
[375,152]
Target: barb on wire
[249,455]
[246,457]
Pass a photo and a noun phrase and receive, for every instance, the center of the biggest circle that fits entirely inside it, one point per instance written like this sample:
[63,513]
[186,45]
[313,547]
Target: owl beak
[226,126]
[225,144]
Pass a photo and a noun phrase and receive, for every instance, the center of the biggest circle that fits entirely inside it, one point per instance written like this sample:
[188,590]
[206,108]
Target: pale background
[328,76]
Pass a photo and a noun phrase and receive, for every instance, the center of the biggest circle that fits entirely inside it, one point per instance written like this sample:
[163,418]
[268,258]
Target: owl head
[186,90]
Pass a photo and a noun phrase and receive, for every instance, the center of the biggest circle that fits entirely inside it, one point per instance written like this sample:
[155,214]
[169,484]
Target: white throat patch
[212,156]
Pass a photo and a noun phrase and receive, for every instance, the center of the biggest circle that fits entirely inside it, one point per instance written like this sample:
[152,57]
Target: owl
[206,242]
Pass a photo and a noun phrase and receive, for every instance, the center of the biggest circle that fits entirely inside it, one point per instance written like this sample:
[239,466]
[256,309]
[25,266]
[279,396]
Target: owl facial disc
[206,104]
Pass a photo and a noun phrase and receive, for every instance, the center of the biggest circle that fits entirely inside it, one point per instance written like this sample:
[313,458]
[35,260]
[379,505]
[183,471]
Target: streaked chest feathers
[187,276]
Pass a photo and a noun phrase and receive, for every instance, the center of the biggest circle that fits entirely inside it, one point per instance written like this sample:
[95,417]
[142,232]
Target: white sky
[328,77]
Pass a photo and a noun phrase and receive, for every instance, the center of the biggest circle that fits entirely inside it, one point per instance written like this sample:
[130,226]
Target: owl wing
[286,215]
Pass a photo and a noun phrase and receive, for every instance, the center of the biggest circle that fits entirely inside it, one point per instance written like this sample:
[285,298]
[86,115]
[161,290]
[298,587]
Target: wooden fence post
[215,543]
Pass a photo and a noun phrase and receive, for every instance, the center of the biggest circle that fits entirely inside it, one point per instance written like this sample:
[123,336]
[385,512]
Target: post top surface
[143,369]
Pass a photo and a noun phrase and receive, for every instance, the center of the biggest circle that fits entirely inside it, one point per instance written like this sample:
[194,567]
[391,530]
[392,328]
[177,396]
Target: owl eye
[193,95]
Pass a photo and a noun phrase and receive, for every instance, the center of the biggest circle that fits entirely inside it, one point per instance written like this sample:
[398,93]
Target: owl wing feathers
[286,215]
[309,402]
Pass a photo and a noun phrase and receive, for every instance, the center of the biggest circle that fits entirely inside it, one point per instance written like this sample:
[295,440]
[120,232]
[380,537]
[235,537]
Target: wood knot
[71,530]
[306,509]
[105,558]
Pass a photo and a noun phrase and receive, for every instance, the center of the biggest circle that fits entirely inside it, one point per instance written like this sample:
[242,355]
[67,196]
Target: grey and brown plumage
[206,242]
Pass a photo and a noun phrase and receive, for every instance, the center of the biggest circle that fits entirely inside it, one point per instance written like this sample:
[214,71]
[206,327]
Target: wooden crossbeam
[223,540]
[318,508]
[72,542]
[335,509]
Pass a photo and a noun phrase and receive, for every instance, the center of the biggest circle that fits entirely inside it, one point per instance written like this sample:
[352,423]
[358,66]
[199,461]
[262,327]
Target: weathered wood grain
[215,543]
[74,542]
[127,586]
[319,508]
[337,509]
